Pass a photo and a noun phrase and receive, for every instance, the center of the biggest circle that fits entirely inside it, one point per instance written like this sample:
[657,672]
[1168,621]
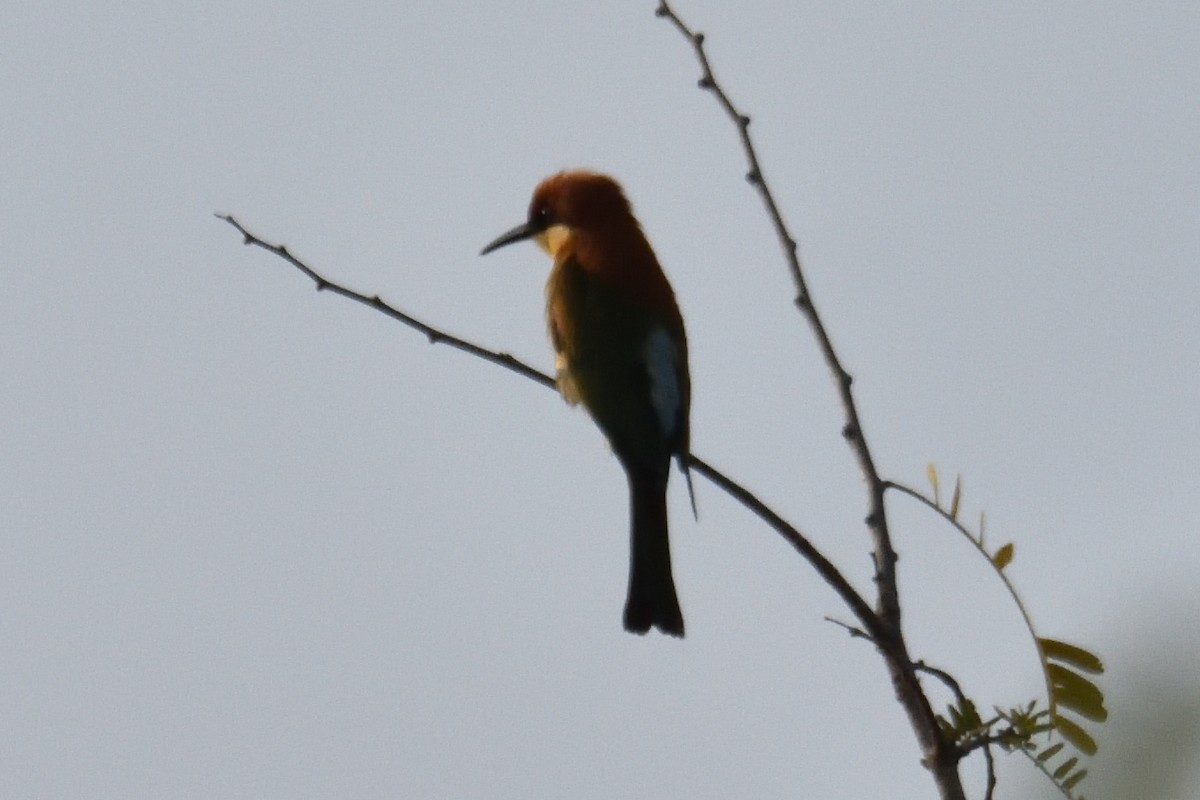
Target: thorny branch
[434,335]
[940,756]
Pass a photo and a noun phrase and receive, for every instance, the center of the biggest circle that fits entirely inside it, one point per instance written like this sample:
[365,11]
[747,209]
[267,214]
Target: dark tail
[652,600]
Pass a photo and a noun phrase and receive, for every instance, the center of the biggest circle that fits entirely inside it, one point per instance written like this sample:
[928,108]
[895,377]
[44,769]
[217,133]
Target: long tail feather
[652,601]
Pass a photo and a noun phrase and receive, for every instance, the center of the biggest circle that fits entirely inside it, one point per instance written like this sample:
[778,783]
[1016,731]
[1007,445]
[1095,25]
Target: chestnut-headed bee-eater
[620,349]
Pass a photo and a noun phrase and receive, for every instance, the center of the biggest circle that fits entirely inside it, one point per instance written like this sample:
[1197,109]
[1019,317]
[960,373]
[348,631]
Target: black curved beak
[526,230]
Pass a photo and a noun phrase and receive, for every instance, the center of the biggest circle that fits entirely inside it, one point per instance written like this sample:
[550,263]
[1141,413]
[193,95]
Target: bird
[620,351]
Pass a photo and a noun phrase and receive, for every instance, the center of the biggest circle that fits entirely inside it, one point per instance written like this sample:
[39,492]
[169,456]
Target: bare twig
[940,756]
[855,633]
[885,556]
[434,335]
[823,566]
[990,761]
[790,533]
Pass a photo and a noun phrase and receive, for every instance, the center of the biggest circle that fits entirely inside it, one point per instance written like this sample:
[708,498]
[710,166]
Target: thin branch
[1012,590]
[940,756]
[885,556]
[945,677]
[855,633]
[990,761]
[823,566]
[434,335]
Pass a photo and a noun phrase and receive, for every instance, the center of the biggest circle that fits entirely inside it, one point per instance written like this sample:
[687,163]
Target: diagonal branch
[885,556]
[940,756]
[822,565]
[434,335]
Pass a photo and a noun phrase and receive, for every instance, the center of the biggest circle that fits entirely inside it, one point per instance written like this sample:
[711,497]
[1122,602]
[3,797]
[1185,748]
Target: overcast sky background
[260,542]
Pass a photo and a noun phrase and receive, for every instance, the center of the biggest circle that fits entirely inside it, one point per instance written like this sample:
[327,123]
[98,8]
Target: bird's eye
[541,216]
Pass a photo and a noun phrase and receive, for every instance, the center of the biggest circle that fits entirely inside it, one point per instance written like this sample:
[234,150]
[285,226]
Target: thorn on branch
[744,120]
[698,38]
[661,11]
[802,302]
[283,251]
[872,519]
[322,284]
[850,431]
[705,82]
[754,177]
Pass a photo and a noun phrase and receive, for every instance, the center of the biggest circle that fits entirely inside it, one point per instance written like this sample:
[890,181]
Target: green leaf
[931,471]
[1075,735]
[970,715]
[1070,654]
[1065,768]
[957,497]
[1003,556]
[1073,781]
[1076,692]
[1050,752]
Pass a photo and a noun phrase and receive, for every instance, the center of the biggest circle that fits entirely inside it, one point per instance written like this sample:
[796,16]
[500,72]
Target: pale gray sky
[257,542]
